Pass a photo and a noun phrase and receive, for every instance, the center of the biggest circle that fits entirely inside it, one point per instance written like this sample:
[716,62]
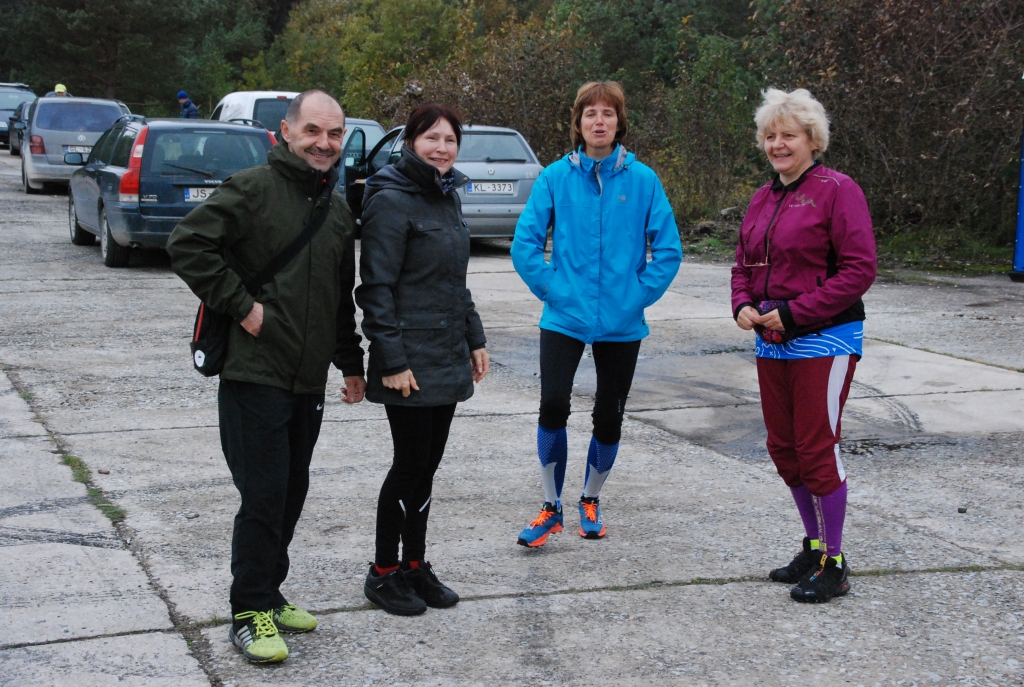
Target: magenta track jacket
[809,243]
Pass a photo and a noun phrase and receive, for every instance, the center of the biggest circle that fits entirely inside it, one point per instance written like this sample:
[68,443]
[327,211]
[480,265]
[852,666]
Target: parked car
[143,176]
[265,107]
[499,161]
[56,127]
[17,134]
[12,95]
[268,108]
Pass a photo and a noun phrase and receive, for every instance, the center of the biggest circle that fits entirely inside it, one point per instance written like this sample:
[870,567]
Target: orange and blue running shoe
[548,522]
[591,526]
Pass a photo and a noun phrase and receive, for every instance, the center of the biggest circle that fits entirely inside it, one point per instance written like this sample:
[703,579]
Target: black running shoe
[392,593]
[824,581]
[426,586]
[798,567]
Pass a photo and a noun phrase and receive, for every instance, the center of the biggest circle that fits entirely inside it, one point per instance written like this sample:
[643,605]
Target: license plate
[198,195]
[507,188]
[84,150]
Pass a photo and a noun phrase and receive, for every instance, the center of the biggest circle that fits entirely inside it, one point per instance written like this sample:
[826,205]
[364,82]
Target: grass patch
[80,473]
[952,252]
[26,395]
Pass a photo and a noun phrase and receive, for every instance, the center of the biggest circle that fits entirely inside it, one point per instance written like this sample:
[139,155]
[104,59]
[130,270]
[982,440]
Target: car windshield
[74,116]
[9,100]
[209,154]
[492,147]
[270,111]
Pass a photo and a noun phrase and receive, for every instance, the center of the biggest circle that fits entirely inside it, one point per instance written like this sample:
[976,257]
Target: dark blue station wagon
[143,176]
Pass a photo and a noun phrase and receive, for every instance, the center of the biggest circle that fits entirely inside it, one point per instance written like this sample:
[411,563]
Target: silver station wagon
[500,163]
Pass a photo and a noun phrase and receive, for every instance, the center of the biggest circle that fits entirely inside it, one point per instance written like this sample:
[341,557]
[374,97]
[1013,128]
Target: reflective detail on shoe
[403,507]
[825,581]
[591,526]
[293,619]
[425,504]
[258,638]
[536,533]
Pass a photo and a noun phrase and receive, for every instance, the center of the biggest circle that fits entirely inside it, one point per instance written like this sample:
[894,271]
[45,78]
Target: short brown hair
[592,93]
[424,117]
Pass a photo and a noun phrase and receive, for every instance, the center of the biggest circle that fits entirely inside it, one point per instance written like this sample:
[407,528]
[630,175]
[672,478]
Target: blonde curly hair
[798,106]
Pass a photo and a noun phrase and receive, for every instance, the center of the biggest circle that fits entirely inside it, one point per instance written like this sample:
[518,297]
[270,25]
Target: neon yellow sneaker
[293,620]
[258,639]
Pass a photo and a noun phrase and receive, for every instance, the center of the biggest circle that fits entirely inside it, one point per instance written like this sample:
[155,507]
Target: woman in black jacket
[426,343]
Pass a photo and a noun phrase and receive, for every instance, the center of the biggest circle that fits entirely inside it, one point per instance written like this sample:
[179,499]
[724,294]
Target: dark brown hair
[592,93]
[425,116]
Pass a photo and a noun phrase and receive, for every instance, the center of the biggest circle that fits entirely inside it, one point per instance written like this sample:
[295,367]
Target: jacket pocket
[426,225]
[426,339]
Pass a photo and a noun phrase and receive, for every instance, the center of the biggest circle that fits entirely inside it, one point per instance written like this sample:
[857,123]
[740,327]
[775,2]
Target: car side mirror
[19,126]
[73,159]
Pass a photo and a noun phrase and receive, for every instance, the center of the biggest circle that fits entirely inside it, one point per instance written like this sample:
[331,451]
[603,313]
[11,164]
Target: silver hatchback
[58,126]
[500,163]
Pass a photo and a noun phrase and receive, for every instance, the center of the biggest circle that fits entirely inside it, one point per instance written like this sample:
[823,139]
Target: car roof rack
[131,118]
[249,122]
[16,85]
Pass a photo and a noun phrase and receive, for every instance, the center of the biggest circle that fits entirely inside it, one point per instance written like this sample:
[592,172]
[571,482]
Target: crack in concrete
[18,536]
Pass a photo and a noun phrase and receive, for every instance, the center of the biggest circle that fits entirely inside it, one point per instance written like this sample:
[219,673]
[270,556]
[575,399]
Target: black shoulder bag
[210,335]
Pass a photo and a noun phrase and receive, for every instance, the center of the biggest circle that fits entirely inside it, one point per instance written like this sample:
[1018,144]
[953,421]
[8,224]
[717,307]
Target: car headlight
[3,126]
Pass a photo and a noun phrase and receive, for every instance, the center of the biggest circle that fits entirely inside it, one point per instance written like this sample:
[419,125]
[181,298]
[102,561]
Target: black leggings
[420,434]
[615,362]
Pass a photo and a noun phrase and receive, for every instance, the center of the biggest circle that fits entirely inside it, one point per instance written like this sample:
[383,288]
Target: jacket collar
[425,175]
[777,184]
[578,158]
[297,170]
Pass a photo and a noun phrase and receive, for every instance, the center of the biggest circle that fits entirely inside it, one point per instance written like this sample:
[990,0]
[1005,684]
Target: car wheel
[113,254]
[24,181]
[10,148]
[79,235]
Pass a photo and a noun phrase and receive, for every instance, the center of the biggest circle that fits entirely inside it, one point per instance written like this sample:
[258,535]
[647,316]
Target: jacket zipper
[767,241]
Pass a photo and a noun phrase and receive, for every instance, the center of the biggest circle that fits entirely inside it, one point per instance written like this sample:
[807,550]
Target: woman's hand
[747,318]
[403,381]
[772,321]
[481,363]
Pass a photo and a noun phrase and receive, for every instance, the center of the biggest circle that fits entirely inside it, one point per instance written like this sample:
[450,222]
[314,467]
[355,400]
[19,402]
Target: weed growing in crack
[80,473]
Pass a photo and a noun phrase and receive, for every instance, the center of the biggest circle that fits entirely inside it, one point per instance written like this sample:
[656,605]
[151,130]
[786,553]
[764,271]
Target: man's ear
[285,132]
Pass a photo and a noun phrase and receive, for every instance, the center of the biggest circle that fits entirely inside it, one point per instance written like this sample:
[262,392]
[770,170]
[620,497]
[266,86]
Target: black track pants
[420,434]
[267,435]
[615,362]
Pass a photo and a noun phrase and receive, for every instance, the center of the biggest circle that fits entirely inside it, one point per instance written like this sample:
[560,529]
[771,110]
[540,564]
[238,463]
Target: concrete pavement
[95,366]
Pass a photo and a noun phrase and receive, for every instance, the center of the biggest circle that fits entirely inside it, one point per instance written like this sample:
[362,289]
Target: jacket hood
[620,155]
[282,159]
[410,174]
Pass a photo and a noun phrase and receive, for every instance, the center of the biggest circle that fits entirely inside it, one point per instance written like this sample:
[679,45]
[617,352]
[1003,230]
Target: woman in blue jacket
[606,209]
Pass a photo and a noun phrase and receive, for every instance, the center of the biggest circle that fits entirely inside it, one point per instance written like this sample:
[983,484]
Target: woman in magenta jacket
[806,256]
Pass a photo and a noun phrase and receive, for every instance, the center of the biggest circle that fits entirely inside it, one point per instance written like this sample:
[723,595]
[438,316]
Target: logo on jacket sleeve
[622,199]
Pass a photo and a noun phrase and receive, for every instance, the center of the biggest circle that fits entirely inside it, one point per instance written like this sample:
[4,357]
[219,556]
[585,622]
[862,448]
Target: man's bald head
[314,128]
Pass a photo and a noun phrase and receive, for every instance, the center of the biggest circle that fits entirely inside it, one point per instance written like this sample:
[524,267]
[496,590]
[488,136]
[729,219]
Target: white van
[266,107]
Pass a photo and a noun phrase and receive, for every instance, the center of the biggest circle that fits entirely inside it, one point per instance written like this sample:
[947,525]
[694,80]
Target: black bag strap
[320,211]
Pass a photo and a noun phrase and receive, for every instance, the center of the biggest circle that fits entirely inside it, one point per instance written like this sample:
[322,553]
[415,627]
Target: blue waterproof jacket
[605,213]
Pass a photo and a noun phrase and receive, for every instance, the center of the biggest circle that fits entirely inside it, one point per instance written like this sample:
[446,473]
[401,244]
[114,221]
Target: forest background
[926,97]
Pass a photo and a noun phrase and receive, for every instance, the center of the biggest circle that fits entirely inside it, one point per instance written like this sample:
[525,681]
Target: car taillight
[35,145]
[272,137]
[128,191]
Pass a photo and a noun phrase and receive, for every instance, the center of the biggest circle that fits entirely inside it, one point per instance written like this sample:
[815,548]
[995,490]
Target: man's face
[317,133]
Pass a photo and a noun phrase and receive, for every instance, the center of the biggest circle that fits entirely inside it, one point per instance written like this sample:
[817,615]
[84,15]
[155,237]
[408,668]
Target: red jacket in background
[816,237]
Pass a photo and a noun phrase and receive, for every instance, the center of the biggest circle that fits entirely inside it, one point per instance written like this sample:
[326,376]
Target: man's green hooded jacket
[308,311]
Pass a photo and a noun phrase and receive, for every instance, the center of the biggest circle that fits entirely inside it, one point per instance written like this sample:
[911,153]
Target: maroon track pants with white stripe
[802,402]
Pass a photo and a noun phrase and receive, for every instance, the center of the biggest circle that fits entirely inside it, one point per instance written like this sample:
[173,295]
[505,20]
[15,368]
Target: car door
[13,142]
[355,176]
[353,161]
[87,189]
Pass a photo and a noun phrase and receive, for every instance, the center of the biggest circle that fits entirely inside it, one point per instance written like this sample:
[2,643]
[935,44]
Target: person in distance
[805,256]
